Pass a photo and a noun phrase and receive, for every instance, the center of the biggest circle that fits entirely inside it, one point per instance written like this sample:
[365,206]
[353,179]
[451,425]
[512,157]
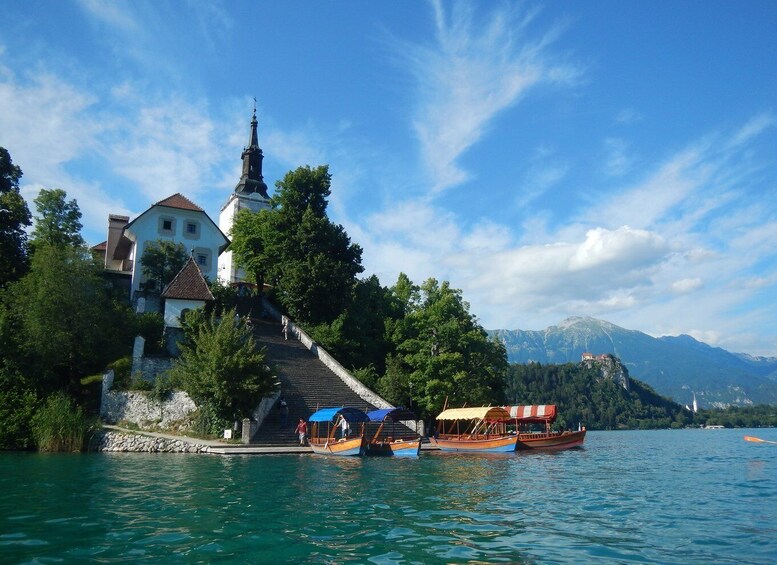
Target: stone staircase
[306,385]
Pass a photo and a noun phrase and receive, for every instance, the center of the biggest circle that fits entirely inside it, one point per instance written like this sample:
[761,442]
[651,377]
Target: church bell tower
[249,194]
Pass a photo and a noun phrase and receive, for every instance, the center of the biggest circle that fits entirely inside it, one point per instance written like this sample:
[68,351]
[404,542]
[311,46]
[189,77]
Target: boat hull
[566,440]
[462,444]
[399,448]
[350,447]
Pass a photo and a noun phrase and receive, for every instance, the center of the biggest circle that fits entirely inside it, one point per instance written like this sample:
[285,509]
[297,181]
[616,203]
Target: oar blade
[759,440]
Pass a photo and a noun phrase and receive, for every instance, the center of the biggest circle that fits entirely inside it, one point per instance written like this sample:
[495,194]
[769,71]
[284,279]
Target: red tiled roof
[188,284]
[178,200]
[100,246]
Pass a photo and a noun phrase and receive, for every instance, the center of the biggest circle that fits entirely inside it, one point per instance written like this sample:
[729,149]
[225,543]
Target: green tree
[162,260]
[309,260]
[18,403]
[60,320]
[58,222]
[442,353]
[14,217]
[250,234]
[221,366]
[357,337]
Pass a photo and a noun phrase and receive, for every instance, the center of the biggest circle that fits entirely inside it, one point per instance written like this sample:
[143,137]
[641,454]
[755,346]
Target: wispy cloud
[116,14]
[679,241]
[617,161]
[473,71]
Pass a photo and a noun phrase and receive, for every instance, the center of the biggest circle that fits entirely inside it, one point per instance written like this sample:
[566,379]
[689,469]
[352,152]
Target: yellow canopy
[476,413]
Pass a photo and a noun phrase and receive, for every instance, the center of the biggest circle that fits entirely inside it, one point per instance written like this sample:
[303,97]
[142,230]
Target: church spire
[251,179]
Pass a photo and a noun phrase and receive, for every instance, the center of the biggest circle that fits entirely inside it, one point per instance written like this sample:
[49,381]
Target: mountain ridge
[676,366]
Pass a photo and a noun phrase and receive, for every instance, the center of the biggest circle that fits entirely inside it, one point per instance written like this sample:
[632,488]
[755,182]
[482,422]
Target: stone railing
[323,355]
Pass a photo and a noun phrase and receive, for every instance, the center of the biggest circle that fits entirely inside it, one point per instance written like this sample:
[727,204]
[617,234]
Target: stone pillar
[137,355]
[248,430]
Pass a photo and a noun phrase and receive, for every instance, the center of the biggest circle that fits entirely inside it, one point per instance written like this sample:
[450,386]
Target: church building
[178,219]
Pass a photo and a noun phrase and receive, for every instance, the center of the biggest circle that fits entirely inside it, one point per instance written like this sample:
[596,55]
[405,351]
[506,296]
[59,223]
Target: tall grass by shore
[60,425]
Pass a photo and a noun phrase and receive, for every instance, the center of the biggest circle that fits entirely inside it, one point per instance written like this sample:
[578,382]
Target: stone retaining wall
[136,407]
[105,440]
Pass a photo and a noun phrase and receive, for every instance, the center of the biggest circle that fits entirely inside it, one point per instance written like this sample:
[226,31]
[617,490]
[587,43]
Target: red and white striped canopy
[537,412]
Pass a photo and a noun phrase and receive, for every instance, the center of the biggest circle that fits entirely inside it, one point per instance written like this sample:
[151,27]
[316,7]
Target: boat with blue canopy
[324,425]
[390,443]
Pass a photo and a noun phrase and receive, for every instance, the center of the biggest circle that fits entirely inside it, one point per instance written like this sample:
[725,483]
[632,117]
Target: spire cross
[254,104]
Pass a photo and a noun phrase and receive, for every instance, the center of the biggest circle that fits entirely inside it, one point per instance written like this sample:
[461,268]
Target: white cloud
[628,116]
[684,286]
[753,128]
[539,179]
[115,14]
[617,161]
[475,70]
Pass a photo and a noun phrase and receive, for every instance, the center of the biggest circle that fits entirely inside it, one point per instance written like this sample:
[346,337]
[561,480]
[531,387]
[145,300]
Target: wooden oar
[759,440]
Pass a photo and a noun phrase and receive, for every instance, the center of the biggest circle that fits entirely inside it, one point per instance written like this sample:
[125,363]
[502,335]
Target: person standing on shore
[302,430]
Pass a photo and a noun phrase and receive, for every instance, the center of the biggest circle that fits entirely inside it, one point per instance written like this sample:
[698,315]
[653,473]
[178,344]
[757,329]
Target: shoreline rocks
[120,442]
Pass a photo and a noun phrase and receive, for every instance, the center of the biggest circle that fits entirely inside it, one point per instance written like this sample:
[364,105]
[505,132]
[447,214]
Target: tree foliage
[60,322]
[357,337]
[58,221]
[440,352]
[221,366]
[18,403]
[583,396]
[309,260]
[162,260]
[14,218]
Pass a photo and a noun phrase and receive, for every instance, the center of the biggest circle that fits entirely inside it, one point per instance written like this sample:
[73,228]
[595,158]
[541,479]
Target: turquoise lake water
[684,496]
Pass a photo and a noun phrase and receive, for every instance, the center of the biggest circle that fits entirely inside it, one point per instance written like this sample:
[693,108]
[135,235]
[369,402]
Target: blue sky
[607,158]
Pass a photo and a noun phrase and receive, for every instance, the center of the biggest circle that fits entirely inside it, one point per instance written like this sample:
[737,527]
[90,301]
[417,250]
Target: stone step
[306,384]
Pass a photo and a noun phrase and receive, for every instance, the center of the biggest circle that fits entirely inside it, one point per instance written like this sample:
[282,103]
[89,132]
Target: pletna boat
[324,430]
[543,415]
[390,443]
[473,430]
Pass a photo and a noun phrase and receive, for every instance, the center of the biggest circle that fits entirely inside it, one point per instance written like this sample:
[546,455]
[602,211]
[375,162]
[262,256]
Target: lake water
[684,496]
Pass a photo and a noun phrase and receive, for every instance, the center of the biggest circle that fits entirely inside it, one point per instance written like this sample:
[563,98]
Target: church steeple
[251,179]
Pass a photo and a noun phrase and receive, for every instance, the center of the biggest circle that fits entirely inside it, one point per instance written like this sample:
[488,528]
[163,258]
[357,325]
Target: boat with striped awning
[528,418]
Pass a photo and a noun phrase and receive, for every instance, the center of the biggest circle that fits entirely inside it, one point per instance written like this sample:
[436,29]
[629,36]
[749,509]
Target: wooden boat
[391,444]
[543,415]
[323,432]
[473,430]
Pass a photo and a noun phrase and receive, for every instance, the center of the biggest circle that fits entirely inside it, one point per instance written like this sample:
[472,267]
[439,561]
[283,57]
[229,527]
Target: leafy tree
[60,320]
[357,337]
[162,260]
[18,403]
[58,222]
[14,217]
[250,234]
[221,366]
[441,353]
[310,261]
